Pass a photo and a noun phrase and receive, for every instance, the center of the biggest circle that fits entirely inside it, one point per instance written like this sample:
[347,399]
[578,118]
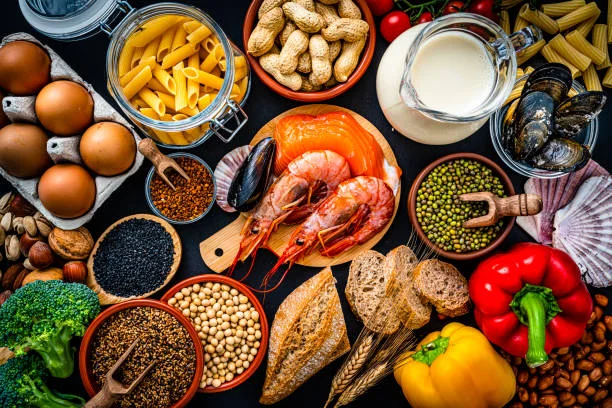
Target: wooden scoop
[161,162]
[516,205]
[113,389]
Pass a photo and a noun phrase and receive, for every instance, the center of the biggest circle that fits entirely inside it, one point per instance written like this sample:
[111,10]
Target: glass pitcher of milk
[457,71]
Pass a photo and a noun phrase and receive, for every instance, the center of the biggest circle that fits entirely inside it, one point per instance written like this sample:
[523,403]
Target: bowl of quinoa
[166,338]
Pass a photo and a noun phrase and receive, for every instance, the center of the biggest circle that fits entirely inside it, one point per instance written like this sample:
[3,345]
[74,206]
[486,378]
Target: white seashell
[226,171]
[583,229]
[555,194]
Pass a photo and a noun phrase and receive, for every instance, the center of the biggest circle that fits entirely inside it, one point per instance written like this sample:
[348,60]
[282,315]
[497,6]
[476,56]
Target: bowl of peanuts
[231,324]
[309,50]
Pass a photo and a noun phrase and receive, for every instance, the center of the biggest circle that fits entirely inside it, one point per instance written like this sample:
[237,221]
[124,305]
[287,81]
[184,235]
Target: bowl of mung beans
[191,199]
[437,214]
[166,338]
[231,325]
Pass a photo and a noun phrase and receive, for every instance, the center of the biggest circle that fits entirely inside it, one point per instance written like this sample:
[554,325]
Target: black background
[88,58]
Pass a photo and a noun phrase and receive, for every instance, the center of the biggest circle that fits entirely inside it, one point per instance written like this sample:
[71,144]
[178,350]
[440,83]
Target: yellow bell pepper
[456,367]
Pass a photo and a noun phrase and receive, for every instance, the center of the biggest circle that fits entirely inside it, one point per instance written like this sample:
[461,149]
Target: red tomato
[380,7]
[424,18]
[393,24]
[454,6]
[484,8]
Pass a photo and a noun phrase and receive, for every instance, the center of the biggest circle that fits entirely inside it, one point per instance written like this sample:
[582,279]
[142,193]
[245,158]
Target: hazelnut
[20,207]
[73,245]
[25,243]
[75,271]
[40,255]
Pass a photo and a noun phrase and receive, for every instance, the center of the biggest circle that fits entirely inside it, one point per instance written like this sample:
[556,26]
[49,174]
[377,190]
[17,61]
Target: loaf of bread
[442,285]
[308,333]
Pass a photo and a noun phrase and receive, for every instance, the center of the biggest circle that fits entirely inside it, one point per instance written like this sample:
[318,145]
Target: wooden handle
[149,150]
[103,399]
[519,205]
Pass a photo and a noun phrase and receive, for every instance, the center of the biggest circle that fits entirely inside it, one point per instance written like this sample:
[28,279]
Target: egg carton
[64,149]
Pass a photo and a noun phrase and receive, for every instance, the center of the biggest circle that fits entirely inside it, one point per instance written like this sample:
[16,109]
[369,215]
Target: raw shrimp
[304,184]
[339,132]
[358,209]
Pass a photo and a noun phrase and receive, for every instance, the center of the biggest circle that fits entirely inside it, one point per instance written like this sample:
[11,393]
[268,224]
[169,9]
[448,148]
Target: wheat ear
[350,368]
[362,384]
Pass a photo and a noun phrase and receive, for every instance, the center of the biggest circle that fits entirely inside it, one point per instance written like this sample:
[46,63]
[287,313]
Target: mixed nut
[33,246]
[576,376]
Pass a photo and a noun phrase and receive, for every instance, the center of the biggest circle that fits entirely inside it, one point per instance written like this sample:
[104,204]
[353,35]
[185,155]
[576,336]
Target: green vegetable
[441,214]
[44,316]
[22,385]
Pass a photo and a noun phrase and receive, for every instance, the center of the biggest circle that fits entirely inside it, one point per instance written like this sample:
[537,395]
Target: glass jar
[587,137]
[224,117]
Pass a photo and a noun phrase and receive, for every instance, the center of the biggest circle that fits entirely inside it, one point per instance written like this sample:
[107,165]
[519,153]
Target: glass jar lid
[70,20]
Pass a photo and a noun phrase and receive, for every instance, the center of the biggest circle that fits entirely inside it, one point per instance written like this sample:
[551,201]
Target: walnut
[72,245]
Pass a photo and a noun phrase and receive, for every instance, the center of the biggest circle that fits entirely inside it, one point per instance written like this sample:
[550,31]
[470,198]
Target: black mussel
[507,133]
[561,155]
[575,113]
[554,79]
[251,181]
[533,123]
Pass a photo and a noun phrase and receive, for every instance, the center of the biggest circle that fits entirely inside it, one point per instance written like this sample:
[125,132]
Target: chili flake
[191,198]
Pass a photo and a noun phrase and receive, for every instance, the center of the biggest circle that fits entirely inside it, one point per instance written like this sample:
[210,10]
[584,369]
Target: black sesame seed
[134,258]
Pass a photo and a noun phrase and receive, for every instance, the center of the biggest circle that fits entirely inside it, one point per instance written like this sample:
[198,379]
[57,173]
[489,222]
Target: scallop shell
[583,229]
[226,170]
[555,193]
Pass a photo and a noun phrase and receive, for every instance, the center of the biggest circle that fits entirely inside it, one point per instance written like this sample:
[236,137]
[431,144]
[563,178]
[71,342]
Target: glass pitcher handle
[525,37]
[221,126]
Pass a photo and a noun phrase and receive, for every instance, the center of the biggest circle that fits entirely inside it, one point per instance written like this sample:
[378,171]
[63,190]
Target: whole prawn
[295,193]
[358,209]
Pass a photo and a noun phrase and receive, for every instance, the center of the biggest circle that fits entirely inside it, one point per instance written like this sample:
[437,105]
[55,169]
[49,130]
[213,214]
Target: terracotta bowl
[417,227]
[85,365]
[222,279]
[366,57]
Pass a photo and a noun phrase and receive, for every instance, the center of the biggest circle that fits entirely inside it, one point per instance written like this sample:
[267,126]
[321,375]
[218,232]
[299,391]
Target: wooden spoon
[113,389]
[516,205]
[161,162]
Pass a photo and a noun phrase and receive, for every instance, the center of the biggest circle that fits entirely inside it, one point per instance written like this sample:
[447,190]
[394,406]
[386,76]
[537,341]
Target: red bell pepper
[530,300]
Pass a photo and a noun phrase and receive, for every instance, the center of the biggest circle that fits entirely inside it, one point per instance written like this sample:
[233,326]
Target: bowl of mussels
[551,127]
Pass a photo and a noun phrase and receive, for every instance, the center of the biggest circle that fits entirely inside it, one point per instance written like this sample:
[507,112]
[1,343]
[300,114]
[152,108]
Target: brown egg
[108,148]
[23,150]
[67,190]
[4,120]
[24,68]
[64,108]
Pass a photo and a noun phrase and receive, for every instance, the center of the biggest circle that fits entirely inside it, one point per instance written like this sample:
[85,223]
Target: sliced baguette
[367,284]
[308,333]
[413,311]
[442,285]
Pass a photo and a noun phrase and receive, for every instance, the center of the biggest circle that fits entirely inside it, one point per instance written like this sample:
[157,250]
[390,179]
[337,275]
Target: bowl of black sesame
[133,259]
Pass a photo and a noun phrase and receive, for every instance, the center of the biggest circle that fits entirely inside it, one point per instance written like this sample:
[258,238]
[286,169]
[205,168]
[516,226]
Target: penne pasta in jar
[173,73]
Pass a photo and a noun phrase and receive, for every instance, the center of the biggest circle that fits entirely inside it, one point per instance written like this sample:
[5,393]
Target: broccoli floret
[44,316]
[22,385]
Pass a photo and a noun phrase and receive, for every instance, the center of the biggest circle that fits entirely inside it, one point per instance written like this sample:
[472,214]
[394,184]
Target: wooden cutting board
[219,250]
